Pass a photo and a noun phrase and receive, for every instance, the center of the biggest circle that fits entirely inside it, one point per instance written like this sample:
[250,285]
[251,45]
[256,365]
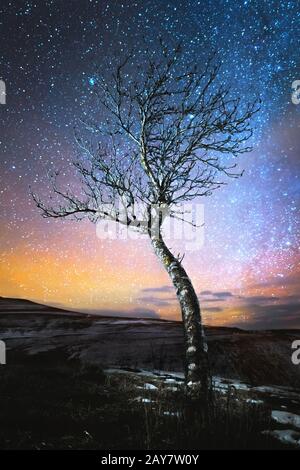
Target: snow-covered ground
[145,347]
[273,397]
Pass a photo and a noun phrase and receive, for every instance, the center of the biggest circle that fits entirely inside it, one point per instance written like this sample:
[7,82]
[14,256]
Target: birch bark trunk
[196,356]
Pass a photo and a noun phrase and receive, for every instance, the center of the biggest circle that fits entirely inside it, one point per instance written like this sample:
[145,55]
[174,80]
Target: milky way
[247,271]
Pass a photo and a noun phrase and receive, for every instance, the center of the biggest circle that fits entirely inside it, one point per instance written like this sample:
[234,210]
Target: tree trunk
[196,357]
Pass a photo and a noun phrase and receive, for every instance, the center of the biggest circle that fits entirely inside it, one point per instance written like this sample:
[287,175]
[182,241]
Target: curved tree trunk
[196,357]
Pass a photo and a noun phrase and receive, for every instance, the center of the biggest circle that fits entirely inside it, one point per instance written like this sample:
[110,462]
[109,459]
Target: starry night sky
[247,273]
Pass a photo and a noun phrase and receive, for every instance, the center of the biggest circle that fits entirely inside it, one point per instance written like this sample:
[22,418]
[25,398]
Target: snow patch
[286,436]
[254,402]
[146,400]
[143,400]
[150,387]
[283,417]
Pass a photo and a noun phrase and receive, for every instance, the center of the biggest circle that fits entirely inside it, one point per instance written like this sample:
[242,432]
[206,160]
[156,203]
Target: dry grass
[65,406]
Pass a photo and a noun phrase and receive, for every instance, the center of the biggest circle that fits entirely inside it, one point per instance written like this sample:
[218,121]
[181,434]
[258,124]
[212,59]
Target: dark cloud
[223,295]
[259,298]
[156,296]
[211,296]
[213,309]
[161,289]
[150,299]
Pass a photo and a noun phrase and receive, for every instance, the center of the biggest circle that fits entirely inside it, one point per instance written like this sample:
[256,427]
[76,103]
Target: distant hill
[24,306]
[8,305]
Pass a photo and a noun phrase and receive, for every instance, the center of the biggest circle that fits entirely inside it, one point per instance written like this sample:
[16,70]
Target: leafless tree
[167,134]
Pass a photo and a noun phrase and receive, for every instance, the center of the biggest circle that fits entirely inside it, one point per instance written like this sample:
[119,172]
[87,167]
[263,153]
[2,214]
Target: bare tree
[165,138]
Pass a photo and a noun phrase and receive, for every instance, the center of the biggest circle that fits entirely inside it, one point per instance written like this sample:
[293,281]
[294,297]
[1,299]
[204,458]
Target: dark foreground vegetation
[49,403]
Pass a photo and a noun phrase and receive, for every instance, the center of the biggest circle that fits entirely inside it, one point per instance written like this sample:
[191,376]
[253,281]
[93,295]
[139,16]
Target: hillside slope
[36,331]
